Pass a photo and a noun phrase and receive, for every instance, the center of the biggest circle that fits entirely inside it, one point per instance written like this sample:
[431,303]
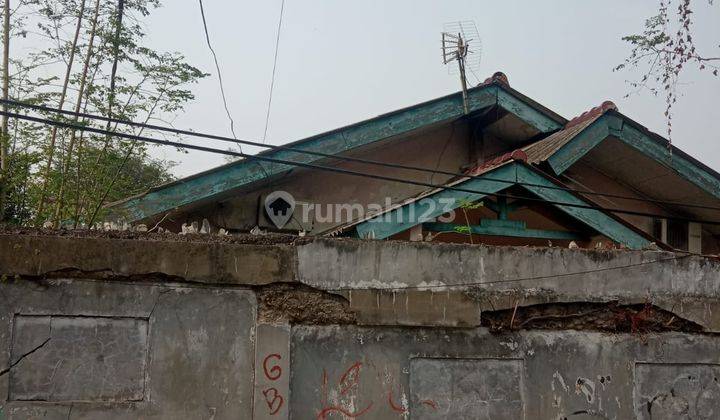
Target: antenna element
[456,40]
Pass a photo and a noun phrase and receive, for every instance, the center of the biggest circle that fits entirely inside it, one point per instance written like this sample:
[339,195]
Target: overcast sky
[344,61]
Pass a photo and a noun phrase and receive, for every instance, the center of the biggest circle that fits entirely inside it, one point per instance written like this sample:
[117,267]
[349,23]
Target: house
[509,172]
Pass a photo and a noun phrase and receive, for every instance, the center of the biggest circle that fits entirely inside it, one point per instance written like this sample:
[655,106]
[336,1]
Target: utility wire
[217,67]
[345,158]
[272,79]
[566,275]
[80,127]
[522,279]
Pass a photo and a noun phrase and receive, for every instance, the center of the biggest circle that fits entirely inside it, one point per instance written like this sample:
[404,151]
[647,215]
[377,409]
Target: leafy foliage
[664,49]
[93,58]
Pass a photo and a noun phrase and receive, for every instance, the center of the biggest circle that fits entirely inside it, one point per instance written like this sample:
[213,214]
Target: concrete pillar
[416,233]
[695,237]
[272,371]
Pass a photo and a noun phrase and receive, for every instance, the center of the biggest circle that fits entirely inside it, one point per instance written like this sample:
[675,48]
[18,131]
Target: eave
[224,179]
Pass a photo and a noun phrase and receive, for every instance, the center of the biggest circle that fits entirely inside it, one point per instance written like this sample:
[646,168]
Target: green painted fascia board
[579,146]
[236,175]
[502,231]
[402,218]
[685,168]
[425,210]
[596,219]
[526,112]
[517,224]
[226,178]
[614,124]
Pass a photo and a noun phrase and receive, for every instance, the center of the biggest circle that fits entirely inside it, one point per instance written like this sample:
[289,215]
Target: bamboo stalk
[53,133]
[78,104]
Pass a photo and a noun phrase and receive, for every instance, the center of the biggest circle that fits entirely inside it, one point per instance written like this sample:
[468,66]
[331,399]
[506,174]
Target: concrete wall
[470,374]
[117,326]
[83,349]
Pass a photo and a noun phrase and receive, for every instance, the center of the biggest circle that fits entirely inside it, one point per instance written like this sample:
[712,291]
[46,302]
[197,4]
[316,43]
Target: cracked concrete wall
[195,261]
[91,349]
[391,373]
[94,328]
[688,286]
[503,277]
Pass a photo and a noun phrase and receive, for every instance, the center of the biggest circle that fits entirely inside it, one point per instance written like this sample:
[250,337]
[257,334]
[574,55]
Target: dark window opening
[677,234]
[657,229]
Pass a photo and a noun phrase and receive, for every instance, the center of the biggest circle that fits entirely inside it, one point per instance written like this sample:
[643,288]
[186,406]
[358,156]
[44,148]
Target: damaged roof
[541,150]
[224,179]
[559,143]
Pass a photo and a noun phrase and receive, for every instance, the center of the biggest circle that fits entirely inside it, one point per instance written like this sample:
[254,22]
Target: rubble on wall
[593,316]
[299,304]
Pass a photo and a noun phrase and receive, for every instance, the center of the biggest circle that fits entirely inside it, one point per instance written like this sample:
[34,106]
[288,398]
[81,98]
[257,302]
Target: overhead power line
[272,79]
[217,67]
[559,276]
[523,279]
[80,127]
[345,158]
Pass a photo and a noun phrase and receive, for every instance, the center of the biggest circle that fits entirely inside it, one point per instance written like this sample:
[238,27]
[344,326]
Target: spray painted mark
[349,380]
[273,398]
[397,408]
[586,387]
[430,403]
[329,410]
[274,372]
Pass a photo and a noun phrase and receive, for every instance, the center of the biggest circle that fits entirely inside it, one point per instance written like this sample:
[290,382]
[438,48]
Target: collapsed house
[509,172]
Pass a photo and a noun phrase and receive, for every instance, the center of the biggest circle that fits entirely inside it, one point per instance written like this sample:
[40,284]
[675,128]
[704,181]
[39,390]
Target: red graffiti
[350,378]
[275,371]
[396,408]
[349,386]
[328,410]
[276,402]
[430,403]
[348,381]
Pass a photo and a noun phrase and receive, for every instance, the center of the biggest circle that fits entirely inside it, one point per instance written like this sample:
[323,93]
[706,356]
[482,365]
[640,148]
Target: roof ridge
[517,154]
[499,77]
[592,113]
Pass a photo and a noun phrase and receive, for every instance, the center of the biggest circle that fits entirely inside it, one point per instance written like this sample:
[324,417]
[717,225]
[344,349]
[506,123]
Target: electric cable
[217,67]
[345,158]
[80,127]
[272,79]
[559,276]
[522,279]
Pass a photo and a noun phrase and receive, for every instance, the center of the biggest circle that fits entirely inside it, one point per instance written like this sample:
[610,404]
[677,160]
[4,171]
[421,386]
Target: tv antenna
[461,43]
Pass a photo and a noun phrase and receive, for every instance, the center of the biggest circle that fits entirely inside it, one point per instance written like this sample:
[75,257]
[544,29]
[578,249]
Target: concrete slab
[123,350]
[70,358]
[272,371]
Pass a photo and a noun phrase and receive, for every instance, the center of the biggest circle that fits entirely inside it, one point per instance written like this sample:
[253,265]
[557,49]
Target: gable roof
[563,148]
[541,150]
[487,180]
[209,184]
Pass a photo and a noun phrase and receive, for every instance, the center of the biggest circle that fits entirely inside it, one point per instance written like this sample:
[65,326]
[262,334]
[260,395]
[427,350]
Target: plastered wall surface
[84,349]
[164,328]
[390,373]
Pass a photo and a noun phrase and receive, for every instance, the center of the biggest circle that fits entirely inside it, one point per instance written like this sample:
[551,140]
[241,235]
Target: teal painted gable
[596,219]
[434,205]
[425,210]
[616,125]
[581,144]
[226,178]
[529,114]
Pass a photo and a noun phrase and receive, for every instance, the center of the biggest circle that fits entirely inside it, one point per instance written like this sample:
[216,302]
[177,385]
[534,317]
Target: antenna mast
[456,47]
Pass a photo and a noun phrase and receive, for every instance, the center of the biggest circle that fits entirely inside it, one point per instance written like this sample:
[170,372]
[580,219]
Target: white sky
[344,61]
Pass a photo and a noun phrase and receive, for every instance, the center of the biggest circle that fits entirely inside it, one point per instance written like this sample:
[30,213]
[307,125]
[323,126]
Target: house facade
[509,172]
